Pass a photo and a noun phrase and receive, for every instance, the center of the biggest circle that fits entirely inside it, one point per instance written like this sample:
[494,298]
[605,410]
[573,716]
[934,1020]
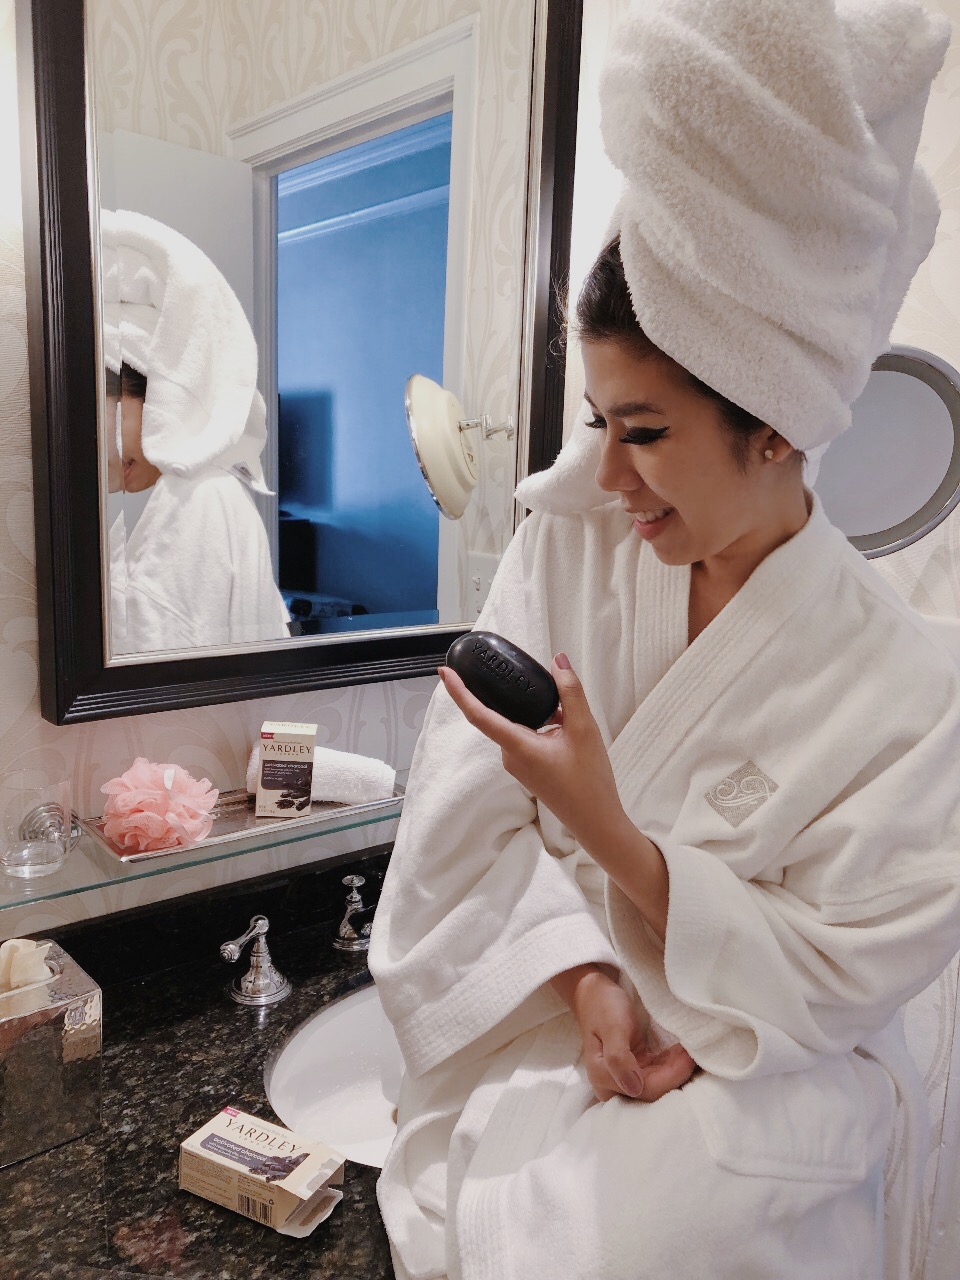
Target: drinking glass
[35,823]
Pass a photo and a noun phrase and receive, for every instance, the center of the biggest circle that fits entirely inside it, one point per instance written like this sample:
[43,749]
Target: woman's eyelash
[643,435]
[634,435]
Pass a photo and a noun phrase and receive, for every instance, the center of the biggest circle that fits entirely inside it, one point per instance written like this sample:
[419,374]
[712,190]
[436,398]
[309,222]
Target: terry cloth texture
[773,203]
[169,312]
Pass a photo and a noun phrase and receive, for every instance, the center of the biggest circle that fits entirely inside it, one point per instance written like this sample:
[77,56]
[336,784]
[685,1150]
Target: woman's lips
[649,524]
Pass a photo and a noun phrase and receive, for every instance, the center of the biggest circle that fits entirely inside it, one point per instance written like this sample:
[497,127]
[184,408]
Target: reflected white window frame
[434,74]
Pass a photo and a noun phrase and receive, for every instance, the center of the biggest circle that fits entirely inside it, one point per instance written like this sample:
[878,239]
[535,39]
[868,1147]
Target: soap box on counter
[286,768]
[262,1171]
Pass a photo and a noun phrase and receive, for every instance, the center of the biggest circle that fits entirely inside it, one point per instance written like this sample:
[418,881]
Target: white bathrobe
[797,766]
[197,570]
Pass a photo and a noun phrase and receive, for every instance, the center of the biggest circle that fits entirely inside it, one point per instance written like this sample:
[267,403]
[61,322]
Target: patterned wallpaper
[164,68]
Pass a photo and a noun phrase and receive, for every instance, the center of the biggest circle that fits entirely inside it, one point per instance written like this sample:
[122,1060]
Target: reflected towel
[170,313]
[339,776]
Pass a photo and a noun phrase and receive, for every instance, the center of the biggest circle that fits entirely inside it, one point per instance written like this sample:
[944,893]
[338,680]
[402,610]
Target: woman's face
[138,473]
[669,457]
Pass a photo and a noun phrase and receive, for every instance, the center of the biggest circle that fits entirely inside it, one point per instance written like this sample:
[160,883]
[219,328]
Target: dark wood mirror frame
[75,685]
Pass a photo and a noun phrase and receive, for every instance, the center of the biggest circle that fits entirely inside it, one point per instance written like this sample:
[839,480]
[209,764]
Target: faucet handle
[262,984]
[230,951]
[353,883]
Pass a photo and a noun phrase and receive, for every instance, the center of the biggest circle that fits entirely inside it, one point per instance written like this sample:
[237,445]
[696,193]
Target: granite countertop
[176,1050]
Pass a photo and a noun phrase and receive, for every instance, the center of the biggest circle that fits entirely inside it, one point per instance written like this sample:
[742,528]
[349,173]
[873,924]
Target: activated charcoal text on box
[262,1171]
[286,769]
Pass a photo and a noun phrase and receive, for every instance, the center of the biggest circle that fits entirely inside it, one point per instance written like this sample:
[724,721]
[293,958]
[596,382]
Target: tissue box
[50,1060]
[262,1171]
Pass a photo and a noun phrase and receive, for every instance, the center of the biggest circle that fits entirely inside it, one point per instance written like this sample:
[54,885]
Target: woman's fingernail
[562,661]
[634,1083]
[442,673]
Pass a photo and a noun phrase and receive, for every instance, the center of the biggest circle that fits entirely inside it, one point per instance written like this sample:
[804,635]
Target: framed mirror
[243,234]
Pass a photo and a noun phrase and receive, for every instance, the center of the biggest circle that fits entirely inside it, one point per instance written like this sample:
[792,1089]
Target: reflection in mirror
[192,114]
[882,495]
[346,200]
[361,250]
[440,433]
[189,558]
[444,452]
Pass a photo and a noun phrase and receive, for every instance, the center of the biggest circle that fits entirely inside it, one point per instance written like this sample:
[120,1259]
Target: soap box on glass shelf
[286,768]
[262,1171]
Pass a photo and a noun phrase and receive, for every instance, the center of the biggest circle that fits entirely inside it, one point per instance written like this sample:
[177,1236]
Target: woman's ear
[773,447]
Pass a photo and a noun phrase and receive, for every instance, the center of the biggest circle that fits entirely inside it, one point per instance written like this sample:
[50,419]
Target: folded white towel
[339,776]
[170,313]
[772,202]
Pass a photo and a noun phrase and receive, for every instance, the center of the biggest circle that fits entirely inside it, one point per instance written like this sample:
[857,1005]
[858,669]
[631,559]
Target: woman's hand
[615,1040]
[565,765]
[567,768]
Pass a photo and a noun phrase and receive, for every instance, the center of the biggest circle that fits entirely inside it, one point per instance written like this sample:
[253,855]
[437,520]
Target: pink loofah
[157,806]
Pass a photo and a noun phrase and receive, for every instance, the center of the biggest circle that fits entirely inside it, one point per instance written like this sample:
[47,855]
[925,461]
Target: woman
[195,568]
[645,966]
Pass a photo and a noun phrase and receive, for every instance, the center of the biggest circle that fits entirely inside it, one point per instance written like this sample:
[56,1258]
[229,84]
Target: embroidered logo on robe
[738,795]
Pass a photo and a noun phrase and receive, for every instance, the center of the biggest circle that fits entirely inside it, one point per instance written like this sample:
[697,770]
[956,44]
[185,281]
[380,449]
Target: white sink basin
[338,1077]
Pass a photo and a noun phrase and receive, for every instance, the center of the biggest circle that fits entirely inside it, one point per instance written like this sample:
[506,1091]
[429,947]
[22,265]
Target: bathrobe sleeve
[476,915]
[858,914]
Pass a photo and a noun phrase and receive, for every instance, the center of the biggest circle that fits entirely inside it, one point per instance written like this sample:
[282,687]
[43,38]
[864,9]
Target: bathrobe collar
[780,586]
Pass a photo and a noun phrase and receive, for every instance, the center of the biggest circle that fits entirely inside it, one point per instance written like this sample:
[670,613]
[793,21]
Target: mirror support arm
[486,423]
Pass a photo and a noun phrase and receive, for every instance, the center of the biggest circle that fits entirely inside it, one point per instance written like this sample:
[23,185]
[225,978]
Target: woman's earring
[768,454]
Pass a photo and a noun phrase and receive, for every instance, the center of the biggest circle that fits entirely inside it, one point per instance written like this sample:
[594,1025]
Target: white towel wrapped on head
[773,211]
[772,203]
[169,312]
[339,776]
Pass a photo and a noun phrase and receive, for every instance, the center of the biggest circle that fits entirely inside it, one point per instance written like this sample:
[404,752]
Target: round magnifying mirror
[444,452]
[895,474]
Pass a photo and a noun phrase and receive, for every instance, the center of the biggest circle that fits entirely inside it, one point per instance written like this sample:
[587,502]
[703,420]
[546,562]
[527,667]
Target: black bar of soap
[504,678]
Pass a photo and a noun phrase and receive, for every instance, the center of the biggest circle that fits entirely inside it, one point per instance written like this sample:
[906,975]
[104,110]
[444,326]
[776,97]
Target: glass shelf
[90,865]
